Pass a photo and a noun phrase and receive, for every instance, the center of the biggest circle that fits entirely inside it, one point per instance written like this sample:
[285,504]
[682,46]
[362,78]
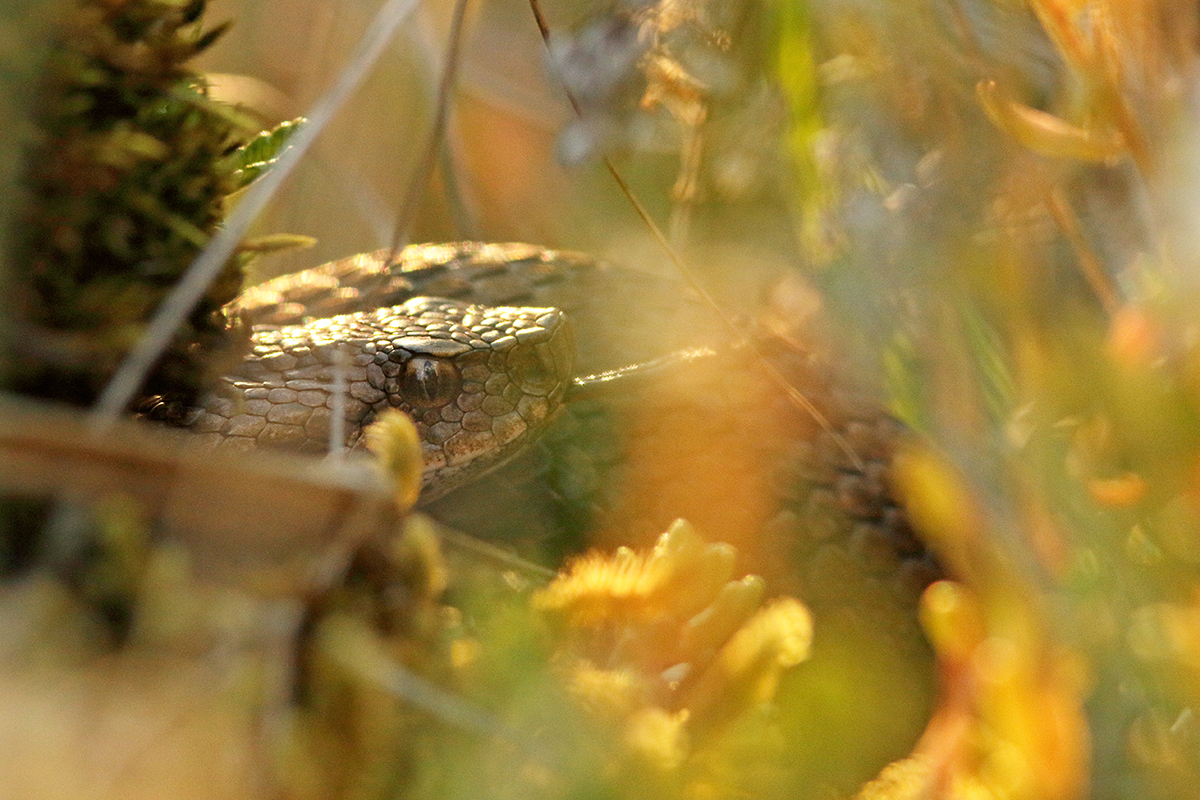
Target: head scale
[478,381]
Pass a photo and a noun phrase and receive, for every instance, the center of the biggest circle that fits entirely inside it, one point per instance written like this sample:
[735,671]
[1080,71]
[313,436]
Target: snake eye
[429,382]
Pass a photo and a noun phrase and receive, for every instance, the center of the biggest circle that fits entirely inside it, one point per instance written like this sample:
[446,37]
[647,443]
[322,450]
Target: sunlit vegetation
[927,527]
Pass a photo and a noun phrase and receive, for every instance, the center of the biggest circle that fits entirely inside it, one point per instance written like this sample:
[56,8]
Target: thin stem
[739,336]
[420,176]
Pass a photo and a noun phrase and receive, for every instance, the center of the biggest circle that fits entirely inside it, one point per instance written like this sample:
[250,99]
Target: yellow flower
[680,576]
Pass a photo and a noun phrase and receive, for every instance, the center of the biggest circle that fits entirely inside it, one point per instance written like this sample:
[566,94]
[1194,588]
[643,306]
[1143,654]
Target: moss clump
[125,181]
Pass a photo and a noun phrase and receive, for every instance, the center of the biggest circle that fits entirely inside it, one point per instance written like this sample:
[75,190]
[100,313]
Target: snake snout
[544,368]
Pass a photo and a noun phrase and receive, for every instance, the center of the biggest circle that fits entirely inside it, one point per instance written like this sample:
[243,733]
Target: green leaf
[209,38]
[797,75]
[258,154]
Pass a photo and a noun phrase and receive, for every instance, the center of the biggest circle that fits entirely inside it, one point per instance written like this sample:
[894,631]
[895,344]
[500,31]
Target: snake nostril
[429,382]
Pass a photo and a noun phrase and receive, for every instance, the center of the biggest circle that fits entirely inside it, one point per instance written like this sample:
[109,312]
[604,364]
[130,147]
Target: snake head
[479,382]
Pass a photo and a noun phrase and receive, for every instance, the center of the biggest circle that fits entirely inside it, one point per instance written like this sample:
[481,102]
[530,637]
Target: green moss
[126,178]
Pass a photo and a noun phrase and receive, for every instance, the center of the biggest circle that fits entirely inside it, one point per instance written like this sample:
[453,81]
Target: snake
[476,380]
[355,336]
[482,344]
[477,343]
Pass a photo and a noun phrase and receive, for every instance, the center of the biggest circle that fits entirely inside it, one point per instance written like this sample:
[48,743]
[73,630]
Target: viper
[468,339]
[486,346]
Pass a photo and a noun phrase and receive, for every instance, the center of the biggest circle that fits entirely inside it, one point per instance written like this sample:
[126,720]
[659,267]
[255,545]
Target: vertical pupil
[427,380]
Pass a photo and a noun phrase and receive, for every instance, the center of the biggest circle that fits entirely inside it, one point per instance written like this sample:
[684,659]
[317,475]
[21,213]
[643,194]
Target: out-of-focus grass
[1016,219]
[998,200]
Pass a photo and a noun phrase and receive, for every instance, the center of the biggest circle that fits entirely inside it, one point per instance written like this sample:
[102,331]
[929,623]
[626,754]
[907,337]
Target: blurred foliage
[998,201]
[1014,226]
[642,674]
[22,24]
[124,169]
[127,172]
